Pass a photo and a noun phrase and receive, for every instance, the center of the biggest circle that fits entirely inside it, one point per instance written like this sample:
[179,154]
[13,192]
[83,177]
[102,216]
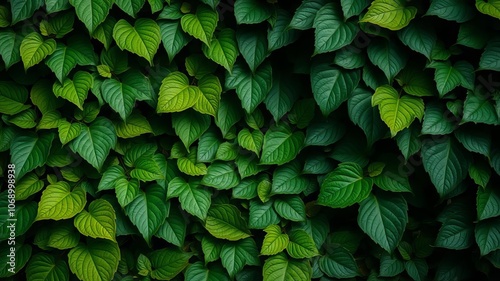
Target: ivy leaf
[251,88]
[252,45]
[384,218]
[222,49]
[390,14]
[59,202]
[43,266]
[173,37]
[344,187]
[193,198]
[235,255]
[279,267]
[98,222]
[397,112]
[274,241]
[75,90]
[281,145]
[202,24]
[224,221]
[176,94]
[332,86]
[210,90]
[34,49]
[452,10]
[92,13]
[331,31]
[148,211]
[30,151]
[96,260]
[251,11]
[95,142]
[445,163]
[142,39]
[10,44]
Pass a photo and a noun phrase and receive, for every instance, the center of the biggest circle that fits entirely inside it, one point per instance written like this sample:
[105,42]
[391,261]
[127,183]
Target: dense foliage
[250,140]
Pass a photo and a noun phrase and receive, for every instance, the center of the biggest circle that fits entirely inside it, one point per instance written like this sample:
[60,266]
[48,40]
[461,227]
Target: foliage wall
[250,140]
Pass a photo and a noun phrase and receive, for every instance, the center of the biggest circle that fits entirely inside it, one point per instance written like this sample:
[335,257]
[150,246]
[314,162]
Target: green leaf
[221,175]
[251,88]
[98,222]
[130,7]
[43,266]
[384,218]
[349,58]
[142,39]
[12,98]
[97,260]
[126,190]
[148,211]
[420,37]
[27,186]
[176,94]
[229,113]
[480,173]
[301,245]
[324,132]
[202,24]
[252,45]
[274,241]
[59,202]
[279,267]
[173,37]
[168,263]
[210,90]
[224,221]
[30,151]
[281,145]
[452,10]
[457,230]
[479,109]
[491,8]
[287,179]
[189,166]
[390,14]
[344,186]
[110,176]
[303,18]
[446,164]
[211,248]
[416,82]
[193,198]
[222,49]
[251,11]
[279,35]
[291,208]
[475,139]
[92,13]
[42,96]
[173,230]
[487,233]
[284,92]
[262,214]
[488,202]
[208,144]
[65,58]
[122,96]
[235,255]
[447,77]
[390,266]
[10,44]
[34,49]
[332,86]
[75,90]
[491,51]
[95,142]
[388,56]
[436,121]
[251,140]
[189,126]
[397,112]
[198,272]
[68,131]
[331,31]
[365,116]
[339,264]
[417,269]
[24,9]
[135,125]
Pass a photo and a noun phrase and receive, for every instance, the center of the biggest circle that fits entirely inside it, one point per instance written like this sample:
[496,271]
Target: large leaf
[332,86]
[280,268]
[201,25]
[44,266]
[457,231]
[304,15]
[487,202]
[167,263]
[221,175]
[339,264]
[176,94]
[148,211]
[487,233]
[388,56]
[274,241]
[75,90]
[59,202]
[65,58]
[97,260]
[252,45]
[491,51]
[209,100]
[235,255]
[92,13]
[331,31]
[301,245]
[420,37]
[98,222]
[24,9]
[224,221]
[446,164]
[95,142]
[344,187]
[281,145]
[189,126]
[222,49]
[173,37]
[142,39]
[193,198]
[10,43]
[390,14]
[29,151]
[452,10]
[397,112]
[34,49]
[251,11]
[384,217]
[491,8]
[365,116]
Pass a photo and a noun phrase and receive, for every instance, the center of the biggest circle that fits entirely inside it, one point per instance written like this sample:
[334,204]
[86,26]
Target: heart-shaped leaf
[142,39]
